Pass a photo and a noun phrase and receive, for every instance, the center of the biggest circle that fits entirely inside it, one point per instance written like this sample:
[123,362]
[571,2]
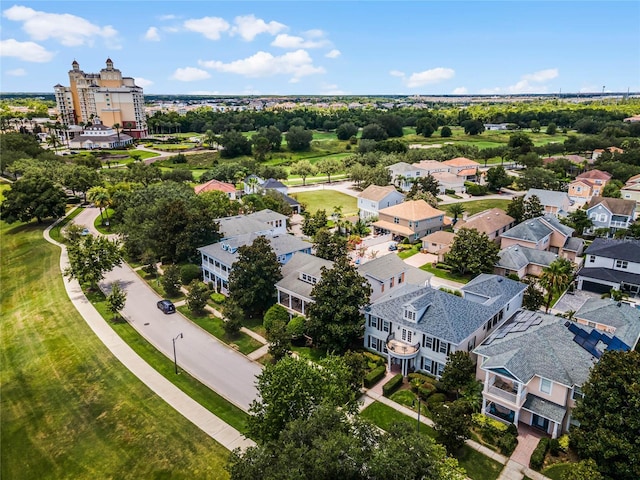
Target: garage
[595,287]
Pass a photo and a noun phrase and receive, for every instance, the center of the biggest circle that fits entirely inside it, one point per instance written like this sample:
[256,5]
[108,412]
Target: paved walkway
[223,433]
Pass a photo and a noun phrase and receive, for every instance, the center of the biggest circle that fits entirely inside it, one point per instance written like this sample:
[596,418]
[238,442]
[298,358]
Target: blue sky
[334,48]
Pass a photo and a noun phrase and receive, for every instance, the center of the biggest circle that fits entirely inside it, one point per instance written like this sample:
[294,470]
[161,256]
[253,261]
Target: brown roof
[618,206]
[577,159]
[376,193]
[412,210]
[442,237]
[594,174]
[467,172]
[215,185]
[393,227]
[634,179]
[461,162]
[487,222]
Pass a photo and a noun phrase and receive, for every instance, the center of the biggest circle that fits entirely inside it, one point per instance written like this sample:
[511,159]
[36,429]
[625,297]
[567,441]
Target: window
[415,224]
[443,347]
[577,393]
[407,335]
[622,264]
[385,326]
[439,369]
[396,220]
[409,315]
[545,386]
[427,342]
[373,322]
[602,218]
[392,283]
[592,258]
[426,365]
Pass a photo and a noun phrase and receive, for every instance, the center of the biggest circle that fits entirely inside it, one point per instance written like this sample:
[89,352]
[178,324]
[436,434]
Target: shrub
[435,400]
[564,442]
[554,447]
[189,273]
[374,376]
[476,190]
[218,298]
[295,327]
[507,444]
[426,390]
[392,385]
[374,360]
[276,313]
[448,191]
[422,377]
[537,457]
[483,421]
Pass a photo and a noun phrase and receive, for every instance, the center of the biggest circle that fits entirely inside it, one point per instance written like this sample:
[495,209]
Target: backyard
[327,200]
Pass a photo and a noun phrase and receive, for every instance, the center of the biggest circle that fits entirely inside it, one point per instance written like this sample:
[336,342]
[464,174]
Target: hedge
[484,421]
[422,377]
[218,298]
[374,360]
[392,385]
[436,400]
[374,376]
[537,457]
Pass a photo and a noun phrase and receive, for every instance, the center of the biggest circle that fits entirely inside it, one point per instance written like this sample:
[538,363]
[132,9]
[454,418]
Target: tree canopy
[91,257]
[33,196]
[330,246]
[299,139]
[472,252]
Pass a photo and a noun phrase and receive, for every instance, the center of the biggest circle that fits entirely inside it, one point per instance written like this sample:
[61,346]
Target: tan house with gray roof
[413,220]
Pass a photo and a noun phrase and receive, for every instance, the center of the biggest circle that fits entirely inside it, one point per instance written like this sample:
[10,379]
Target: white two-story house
[610,263]
[404,174]
[373,198]
[417,328]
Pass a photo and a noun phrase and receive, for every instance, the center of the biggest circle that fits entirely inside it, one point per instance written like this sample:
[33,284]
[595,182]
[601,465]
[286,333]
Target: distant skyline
[327,48]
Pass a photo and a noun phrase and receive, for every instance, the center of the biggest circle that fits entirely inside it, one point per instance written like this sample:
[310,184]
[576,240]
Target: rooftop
[621,316]
[617,206]
[487,222]
[387,266]
[412,210]
[461,162]
[302,263]
[516,257]
[376,192]
[549,197]
[216,185]
[628,250]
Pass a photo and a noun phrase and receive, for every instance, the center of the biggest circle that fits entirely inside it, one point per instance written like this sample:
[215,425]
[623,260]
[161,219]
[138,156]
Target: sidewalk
[223,433]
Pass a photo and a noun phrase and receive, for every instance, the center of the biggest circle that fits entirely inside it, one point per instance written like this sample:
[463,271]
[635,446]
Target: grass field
[476,206]
[69,408]
[327,200]
[557,471]
[447,275]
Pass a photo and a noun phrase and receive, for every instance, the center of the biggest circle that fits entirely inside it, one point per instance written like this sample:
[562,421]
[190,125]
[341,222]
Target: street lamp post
[413,404]
[175,358]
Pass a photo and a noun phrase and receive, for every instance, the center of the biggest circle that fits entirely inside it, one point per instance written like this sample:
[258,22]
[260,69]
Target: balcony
[401,349]
[615,224]
[504,394]
[508,391]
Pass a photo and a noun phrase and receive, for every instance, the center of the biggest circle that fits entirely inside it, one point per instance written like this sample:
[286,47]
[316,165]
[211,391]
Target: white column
[484,405]
[388,362]
[486,381]
[519,394]
[555,430]
[516,417]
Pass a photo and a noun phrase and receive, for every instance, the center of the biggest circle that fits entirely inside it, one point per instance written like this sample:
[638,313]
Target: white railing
[619,224]
[400,348]
[498,392]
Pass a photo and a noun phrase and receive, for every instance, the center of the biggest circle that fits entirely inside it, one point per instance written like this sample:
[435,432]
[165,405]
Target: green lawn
[99,222]
[475,206]
[212,324]
[56,232]
[447,275]
[156,284]
[69,408]
[408,252]
[384,417]
[557,471]
[309,353]
[327,200]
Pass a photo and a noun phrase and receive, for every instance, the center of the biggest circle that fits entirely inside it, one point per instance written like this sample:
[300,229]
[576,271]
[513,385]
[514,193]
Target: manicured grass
[557,471]
[254,324]
[384,417]
[409,252]
[156,284]
[327,200]
[447,275]
[56,232]
[310,353]
[475,206]
[69,408]
[212,324]
[106,216]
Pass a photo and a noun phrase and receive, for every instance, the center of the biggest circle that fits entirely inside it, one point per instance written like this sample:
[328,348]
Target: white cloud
[433,75]
[396,73]
[69,30]
[167,17]
[26,51]
[313,33]
[152,35]
[18,72]
[541,76]
[531,82]
[292,42]
[263,64]
[332,89]
[143,82]
[210,27]
[335,53]
[249,27]
[459,91]
[190,74]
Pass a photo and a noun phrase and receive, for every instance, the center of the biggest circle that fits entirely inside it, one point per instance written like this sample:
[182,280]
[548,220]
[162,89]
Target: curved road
[227,372]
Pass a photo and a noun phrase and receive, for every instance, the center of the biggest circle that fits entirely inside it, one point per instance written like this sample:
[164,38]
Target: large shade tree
[33,196]
[472,252]
[91,257]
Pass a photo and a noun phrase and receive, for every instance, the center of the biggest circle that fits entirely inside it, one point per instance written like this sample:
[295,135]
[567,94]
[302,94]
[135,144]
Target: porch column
[388,362]
[516,417]
[486,381]
[289,301]
[303,309]
[555,430]
[519,394]
[484,405]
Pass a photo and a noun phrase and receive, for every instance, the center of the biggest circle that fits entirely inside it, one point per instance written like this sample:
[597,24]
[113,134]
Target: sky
[325,47]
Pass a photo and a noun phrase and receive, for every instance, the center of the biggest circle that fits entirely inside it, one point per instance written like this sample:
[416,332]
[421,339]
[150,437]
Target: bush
[537,457]
[483,421]
[426,390]
[189,273]
[435,400]
[276,313]
[448,191]
[218,298]
[476,190]
[554,447]
[374,360]
[392,385]
[563,441]
[374,376]
[422,377]
[507,444]
[295,327]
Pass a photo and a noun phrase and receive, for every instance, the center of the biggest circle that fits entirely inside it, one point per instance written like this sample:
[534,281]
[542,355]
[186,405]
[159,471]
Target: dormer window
[410,315]
[308,278]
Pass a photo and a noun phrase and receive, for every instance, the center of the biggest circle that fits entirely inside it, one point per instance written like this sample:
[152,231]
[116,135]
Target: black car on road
[166,306]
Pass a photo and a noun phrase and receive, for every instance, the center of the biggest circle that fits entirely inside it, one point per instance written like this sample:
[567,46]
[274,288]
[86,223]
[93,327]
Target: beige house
[493,222]
[464,168]
[413,220]
[375,197]
[449,181]
[438,243]
[588,184]
[631,189]
[217,186]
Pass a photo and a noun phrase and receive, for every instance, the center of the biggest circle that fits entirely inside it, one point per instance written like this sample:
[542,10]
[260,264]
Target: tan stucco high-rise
[107,96]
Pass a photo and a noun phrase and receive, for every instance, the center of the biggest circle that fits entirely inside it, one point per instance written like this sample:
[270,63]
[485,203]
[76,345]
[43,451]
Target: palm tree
[455,210]
[100,197]
[252,182]
[210,138]
[556,278]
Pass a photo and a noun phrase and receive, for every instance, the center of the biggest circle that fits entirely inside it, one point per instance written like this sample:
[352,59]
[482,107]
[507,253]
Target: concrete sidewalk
[223,433]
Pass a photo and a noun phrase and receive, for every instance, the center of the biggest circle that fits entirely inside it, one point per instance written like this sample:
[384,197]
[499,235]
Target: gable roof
[634,179]
[461,162]
[616,206]
[266,215]
[549,197]
[387,266]
[594,174]
[281,244]
[628,250]
[377,193]
[429,165]
[441,236]
[215,185]
[240,225]
[412,210]
[536,229]
[553,222]
[495,288]
[302,263]
[273,183]
[402,167]
[515,257]
[487,221]
[624,318]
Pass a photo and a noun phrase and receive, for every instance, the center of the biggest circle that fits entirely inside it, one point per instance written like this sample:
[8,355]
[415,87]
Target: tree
[233,317]
[314,222]
[375,132]
[279,340]
[423,185]
[459,371]
[334,318]
[551,129]
[276,314]
[473,127]
[612,189]
[33,196]
[515,208]
[583,470]
[90,258]
[171,280]
[556,278]
[273,135]
[116,299]
[529,160]
[329,166]
[497,177]
[532,297]
[80,178]
[445,132]
[392,124]
[292,389]
[456,209]
[296,327]
[519,144]
[303,168]
[578,220]
[532,208]
[538,178]
[253,277]
[472,253]
[299,139]
[197,296]
[452,423]
[210,138]
[234,144]
[346,130]
[426,126]
[608,416]
[261,146]
[534,125]
[330,246]
[100,197]
[144,174]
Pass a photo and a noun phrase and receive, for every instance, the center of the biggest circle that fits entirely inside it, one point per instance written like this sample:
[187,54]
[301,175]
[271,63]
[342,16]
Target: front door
[540,422]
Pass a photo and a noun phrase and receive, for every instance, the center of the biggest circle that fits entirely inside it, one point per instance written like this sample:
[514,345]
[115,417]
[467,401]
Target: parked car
[86,231]
[393,247]
[166,306]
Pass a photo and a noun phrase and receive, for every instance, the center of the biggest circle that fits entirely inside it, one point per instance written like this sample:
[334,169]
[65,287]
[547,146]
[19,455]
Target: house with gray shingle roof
[390,271]
[523,261]
[544,233]
[612,213]
[403,174]
[611,264]
[374,197]
[417,328]
[554,203]
[534,365]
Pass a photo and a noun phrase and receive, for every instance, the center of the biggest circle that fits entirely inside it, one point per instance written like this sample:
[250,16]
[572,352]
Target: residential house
[432,166]
[496,126]
[464,168]
[599,151]
[554,203]
[438,243]
[493,222]
[587,185]
[413,219]
[610,263]
[388,272]
[534,365]
[417,328]
[631,189]
[299,275]
[523,261]
[100,136]
[449,181]
[577,160]
[374,197]
[544,233]
[255,184]
[215,185]
[273,184]
[252,184]
[265,222]
[609,316]
[404,174]
[612,213]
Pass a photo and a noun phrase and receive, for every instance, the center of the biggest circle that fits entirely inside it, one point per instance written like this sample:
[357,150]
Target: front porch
[401,353]
[536,413]
[295,305]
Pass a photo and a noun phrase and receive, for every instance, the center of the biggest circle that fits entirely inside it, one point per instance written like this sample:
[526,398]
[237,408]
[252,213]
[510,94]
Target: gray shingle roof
[618,206]
[497,289]
[272,183]
[281,245]
[301,263]
[267,215]
[573,244]
[544,408]
[516,257]
[609,275]
[556,224]
[241,225]
[549,197]
[536,229]
[624,318]
[387,266]
[617,249]
[403,167]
